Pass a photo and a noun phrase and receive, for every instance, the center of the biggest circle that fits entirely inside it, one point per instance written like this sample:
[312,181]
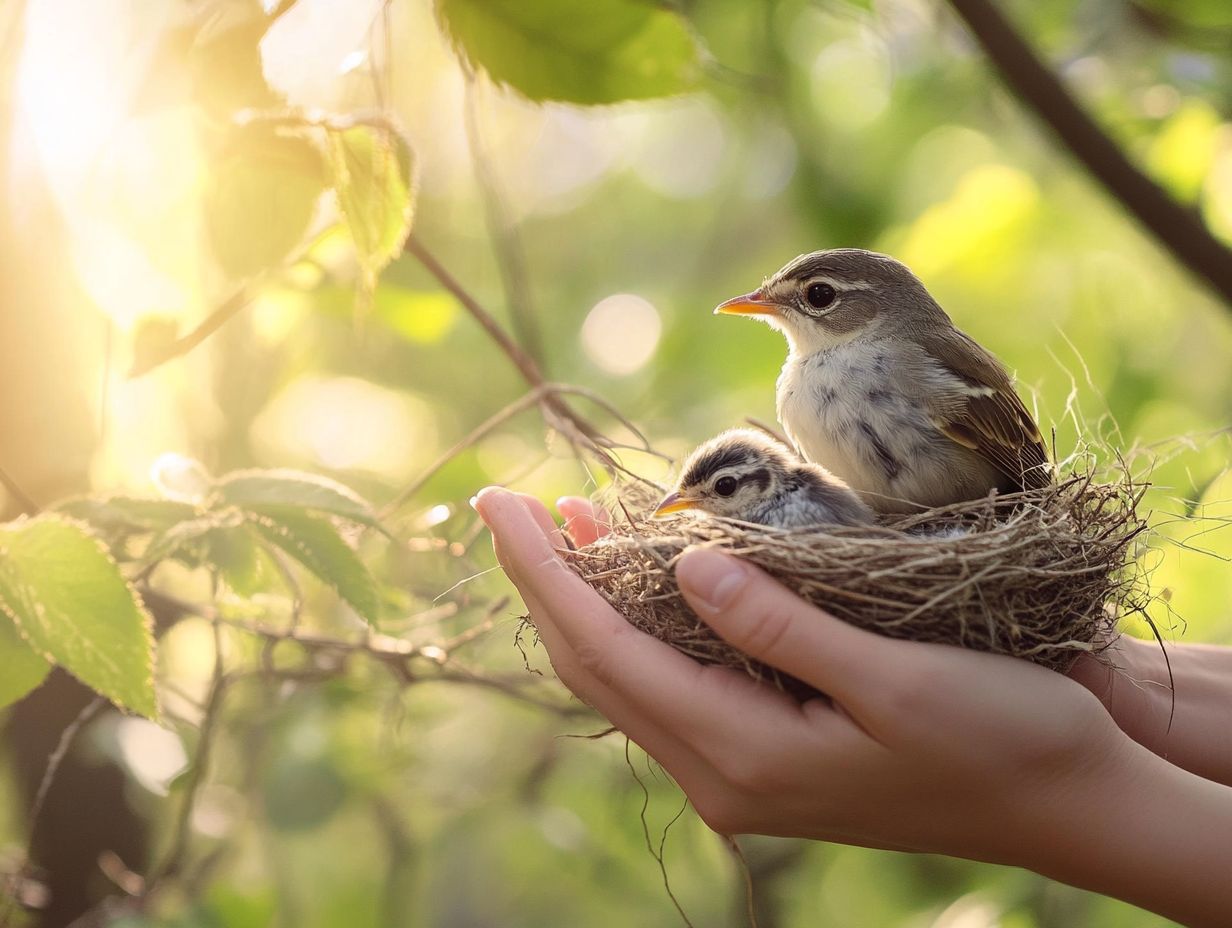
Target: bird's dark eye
[820,296]
[725,486]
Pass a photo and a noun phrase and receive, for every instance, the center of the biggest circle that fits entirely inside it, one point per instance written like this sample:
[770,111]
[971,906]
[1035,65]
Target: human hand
[1176,704]
[1133,679]
[911,732]
[920,747]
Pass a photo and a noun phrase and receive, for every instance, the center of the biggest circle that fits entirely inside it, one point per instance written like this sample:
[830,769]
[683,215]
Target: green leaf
[188,541]
[237,554]
[600,51]
[70,602]
[127,513]
[314,541]
[24,669]
[261,198]
[373,176]
[257,489]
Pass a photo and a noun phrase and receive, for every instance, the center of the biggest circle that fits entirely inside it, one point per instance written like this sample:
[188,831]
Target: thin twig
[57,757]
[579,431]
[24,500]
[657,854]
[67,737]
[496,420]
[230,307]
[173,862]
[742,863]
[506,245]
[522,361]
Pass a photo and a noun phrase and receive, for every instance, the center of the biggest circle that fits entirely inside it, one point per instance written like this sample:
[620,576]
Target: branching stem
[1176,227]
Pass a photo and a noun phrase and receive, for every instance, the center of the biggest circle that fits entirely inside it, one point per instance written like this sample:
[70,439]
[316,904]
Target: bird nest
[1041,575]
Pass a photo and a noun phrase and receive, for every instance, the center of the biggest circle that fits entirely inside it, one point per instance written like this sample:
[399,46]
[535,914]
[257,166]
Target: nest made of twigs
[1041,575]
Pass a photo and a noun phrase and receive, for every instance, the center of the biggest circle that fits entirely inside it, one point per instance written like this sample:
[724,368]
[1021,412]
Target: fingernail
[712,578]
[486,491]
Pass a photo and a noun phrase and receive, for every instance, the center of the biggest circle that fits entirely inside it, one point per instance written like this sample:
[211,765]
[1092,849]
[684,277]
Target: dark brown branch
[521,360]
[211,324]
[1176,227]
[534,398]
[173,863]
[22,498]
[67,737]
[575,428]
[506,245]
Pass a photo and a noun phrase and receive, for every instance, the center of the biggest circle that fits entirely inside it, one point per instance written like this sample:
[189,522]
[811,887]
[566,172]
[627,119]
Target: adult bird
[745,475]
[882,389]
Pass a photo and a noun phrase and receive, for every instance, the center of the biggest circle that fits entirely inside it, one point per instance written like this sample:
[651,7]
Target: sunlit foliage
[234,395]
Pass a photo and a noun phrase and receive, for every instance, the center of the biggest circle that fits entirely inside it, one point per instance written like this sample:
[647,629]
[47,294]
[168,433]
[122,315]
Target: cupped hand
[919,747]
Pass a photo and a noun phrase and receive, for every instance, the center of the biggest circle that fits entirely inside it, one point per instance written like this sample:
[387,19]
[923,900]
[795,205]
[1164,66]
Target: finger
[707,707]
[759,616]
[584,521]
[544,520]
[689,770]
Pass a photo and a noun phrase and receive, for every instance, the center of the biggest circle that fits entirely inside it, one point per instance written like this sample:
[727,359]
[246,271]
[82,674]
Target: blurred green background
[364,800]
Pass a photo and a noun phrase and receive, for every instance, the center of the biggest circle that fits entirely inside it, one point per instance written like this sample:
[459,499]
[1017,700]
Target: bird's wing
[984,413]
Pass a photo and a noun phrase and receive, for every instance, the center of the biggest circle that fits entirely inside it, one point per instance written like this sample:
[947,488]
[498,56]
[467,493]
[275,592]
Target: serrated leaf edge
[272,524]
[147,620]
[288,473]
[21,634]
[338,166]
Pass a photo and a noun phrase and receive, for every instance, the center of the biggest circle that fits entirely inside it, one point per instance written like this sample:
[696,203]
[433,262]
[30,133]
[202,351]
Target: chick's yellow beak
[750,304]
[674,502]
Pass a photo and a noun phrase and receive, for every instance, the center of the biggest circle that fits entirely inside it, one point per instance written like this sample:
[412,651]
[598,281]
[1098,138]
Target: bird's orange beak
[674,502]
[750,304]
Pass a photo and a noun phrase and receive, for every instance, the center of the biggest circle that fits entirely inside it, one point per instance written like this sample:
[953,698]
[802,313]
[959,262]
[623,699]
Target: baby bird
[881,388]
[743,474]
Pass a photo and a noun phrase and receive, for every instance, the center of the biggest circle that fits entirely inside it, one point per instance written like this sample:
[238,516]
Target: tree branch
[576,428]
[67,737]
[238,300]
[506,245]
[1179,229]
[20,496]
[521,360]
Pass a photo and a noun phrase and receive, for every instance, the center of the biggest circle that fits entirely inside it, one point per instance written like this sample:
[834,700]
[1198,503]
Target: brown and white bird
[881,388]
[745,475]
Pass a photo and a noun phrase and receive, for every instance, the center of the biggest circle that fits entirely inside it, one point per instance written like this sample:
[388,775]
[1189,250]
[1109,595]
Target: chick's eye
[820,296]
[725,486]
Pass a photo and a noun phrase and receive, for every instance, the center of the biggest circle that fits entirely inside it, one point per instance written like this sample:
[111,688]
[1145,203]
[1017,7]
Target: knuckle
[552,567]
[568,672]
[752,774]
[763,631]
[723,815]
[594,659]
[910,692]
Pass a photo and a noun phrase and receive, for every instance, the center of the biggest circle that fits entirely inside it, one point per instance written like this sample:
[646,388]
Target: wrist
[1140,829]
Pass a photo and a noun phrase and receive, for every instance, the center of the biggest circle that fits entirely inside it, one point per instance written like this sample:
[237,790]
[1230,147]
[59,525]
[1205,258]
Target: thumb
[759,616]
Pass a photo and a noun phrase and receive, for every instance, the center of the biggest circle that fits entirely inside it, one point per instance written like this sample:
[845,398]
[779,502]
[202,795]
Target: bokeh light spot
[851,81]
[152,754]
[680,154]
[621,332]
[345,423]
[180,477]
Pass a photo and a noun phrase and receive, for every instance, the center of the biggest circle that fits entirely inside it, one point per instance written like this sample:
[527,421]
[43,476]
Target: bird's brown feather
[991,419]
